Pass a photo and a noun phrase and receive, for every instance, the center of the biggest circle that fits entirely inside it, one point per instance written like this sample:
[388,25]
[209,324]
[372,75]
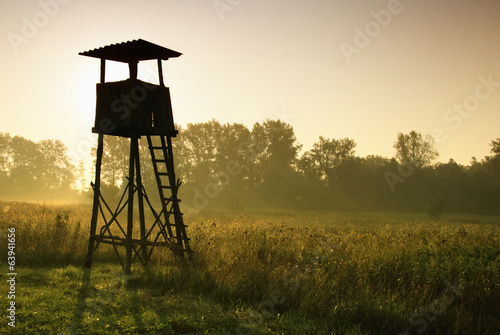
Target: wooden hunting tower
[133,108]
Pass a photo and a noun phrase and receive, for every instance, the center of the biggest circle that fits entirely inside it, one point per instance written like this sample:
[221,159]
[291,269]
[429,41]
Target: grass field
[273,272]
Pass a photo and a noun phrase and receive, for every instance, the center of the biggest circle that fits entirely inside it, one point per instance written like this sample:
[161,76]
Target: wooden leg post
[95,205]
[140,203]
[130,217]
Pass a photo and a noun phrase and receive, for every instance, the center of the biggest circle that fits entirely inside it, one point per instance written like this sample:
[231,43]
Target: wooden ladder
[163,166]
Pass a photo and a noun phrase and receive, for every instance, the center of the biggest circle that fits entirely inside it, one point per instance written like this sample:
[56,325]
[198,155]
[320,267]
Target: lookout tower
[133,108]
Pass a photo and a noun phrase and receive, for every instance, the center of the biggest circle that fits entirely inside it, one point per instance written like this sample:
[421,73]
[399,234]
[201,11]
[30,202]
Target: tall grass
[46,234]
[331,272]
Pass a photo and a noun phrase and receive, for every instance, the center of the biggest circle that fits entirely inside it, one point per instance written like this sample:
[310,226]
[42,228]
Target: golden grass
[377,271]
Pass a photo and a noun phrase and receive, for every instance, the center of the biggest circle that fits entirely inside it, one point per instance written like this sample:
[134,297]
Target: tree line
[30,170]
[233,166]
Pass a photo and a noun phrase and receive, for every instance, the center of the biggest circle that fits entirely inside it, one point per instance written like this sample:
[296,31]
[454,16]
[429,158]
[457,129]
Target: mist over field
[230,166]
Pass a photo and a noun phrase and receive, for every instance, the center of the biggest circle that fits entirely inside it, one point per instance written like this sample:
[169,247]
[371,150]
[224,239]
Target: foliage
[236,167]
[414,149]
[29,169]
[231,166]
[495,146]
[326,156]
[115,164]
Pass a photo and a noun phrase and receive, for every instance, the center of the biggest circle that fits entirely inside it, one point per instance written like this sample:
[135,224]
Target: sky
[365,70]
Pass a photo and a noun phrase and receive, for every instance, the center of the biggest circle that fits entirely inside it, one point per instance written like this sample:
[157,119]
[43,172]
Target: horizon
[72,154]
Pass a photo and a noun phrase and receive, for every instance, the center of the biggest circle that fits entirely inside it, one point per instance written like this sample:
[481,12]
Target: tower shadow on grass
[135,307]
[75,325]
[136,296]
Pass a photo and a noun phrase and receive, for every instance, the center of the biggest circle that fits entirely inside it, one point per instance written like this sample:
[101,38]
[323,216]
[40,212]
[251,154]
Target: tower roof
[131,51]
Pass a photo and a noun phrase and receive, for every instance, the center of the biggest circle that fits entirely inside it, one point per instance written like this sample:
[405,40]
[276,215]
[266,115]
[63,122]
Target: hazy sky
[337,68]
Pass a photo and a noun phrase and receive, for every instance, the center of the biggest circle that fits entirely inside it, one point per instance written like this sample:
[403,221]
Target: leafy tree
[35,168]
[274,144]
[5,153]
[367,183]
[55,165]
[495,146]
[233,169]
[324,158]
[211,162]
[115,162]
[451,184]
[414,149]
[82,181]
[376,161]
[26,160]
[493,164]
[5,163]
[197,147]
[274,150]
[436,208]
[485,191]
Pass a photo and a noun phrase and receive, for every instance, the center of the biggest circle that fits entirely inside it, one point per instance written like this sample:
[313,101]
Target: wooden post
[132,67]
[140,204]
[160,72]
[103,70]
[95,205]
[130,216]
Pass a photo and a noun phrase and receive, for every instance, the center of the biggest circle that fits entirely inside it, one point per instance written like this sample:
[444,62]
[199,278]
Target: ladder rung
[171,199]
[157,148]
[163,173]
[166,187]
[160,160]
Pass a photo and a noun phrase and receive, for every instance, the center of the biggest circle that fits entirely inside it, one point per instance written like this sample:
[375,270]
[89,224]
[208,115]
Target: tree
[371,183]
[414,149]
[198,149]
[35,168]
[233,168]
[275,151]
[25,171]
[5,163]
[485,186]
[325,157]
[493,163]
[451,184]
[211,162]
[495,146]
[82,181]
[56,169]
[5,153]
[115,162]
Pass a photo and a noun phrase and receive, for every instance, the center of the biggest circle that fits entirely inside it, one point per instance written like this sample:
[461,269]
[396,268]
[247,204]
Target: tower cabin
[133,107]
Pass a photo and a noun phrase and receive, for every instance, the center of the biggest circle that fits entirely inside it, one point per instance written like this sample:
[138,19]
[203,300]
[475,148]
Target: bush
[436,208]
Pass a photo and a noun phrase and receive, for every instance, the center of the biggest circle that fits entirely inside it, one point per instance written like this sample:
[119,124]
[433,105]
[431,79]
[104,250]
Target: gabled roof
[132,51]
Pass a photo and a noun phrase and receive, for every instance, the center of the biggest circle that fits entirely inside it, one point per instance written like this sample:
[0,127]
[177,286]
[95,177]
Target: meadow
[259,272]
